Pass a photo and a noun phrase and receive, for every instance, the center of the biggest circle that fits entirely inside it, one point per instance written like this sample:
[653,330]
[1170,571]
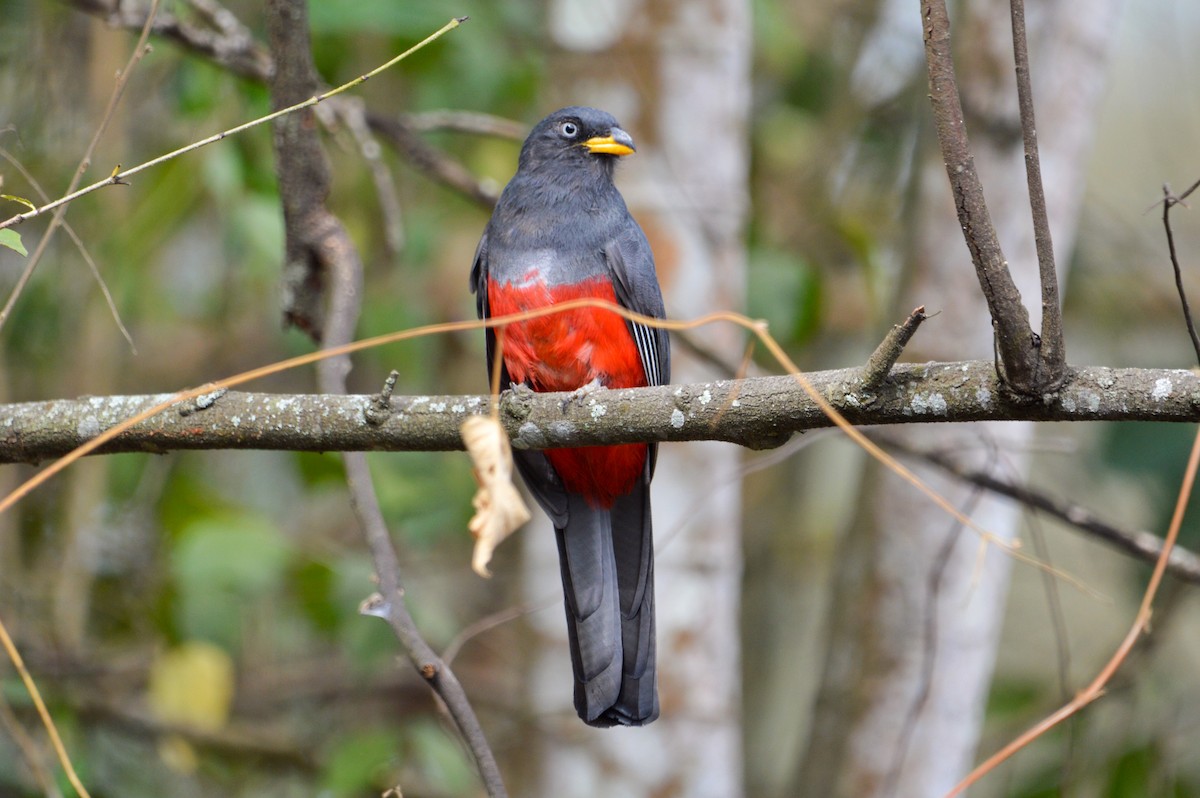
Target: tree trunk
[676,75]
[917,604]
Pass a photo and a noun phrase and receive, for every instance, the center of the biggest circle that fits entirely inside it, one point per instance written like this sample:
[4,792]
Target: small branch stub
[879,365]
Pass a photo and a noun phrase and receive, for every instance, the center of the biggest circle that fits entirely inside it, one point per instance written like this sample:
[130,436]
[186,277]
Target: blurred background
[192,618]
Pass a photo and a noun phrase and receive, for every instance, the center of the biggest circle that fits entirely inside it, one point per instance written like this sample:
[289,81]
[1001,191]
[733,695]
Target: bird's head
[577,135]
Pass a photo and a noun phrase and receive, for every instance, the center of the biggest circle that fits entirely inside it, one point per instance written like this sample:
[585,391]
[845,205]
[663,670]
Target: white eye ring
[569,129]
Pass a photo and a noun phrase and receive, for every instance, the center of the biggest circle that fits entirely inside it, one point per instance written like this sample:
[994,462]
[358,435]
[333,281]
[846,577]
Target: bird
[561,231]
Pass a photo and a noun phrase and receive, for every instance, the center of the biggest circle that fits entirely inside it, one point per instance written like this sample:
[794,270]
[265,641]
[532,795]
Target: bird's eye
[569,130]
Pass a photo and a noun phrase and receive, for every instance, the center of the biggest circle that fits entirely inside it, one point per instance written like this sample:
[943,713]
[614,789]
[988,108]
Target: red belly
[566,351]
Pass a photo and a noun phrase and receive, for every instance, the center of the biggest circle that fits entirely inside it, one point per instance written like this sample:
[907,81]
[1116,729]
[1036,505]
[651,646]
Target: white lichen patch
[89,427]
[705,397]
[851,400]
[598,409]
[984,397]
[677,418]
[458,408]
[736,403]
[236,421]
[926,404]
[437,407]
[1162,389]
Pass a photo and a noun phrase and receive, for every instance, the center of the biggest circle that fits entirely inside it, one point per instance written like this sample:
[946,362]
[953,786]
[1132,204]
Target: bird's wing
[631,263]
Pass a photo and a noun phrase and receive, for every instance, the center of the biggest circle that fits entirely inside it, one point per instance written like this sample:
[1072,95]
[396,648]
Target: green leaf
[12,239]
[22,200]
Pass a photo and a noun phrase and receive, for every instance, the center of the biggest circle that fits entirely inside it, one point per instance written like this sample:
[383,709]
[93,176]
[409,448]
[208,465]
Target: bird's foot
[583,392]
[519,389]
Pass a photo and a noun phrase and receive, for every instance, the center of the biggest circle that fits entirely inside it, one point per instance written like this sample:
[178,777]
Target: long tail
[607,562]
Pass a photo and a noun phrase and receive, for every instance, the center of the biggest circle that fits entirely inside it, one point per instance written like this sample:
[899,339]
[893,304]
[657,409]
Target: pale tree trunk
[676,76]
[916,612]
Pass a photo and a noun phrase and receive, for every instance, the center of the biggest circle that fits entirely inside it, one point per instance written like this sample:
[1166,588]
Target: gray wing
[636,285]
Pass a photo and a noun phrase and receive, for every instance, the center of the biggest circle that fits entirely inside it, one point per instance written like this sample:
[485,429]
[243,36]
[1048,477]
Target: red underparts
[566,351]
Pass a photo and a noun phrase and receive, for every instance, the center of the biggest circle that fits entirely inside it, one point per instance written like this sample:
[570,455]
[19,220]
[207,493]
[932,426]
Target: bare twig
[1143,545]
[79,245]
[122,176]
[353,113]
[1140,624]
[880,363]
[64,759]
[139,50]
[1169,201]
[1051,354]
[431,161]
[472,122]
[244,57]
[29,750]
[1015,339]
[229,45]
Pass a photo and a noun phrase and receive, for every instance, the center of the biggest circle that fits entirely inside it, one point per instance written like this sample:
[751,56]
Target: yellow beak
[617,142]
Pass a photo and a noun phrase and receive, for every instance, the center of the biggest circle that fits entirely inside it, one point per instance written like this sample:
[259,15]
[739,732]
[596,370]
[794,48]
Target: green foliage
[363,761]
[221,565]
[1156,456]
[12,240]
[786,292]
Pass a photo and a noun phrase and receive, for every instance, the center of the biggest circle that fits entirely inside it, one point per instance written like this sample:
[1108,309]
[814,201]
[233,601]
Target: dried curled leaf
[499,509]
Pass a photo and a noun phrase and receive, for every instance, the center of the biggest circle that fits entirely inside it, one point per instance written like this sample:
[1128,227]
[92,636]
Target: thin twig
[1052,349]
[353,113]
[139,50]
[472,122]
[79,245]
[230,45]
[64,759]
[1140,624]
[1169,201]
[431,161]
[29,750]
[1014,337]
[1145,546]
[244,57]
[122,176]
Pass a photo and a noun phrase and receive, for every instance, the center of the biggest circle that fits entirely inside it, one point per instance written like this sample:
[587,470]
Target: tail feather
[585,552]
[633,544]
[607,562]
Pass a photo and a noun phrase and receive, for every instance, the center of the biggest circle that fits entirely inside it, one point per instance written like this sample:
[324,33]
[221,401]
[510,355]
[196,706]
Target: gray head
[576,137]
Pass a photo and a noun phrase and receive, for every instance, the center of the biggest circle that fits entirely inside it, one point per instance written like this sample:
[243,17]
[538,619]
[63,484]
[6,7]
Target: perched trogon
[561,231]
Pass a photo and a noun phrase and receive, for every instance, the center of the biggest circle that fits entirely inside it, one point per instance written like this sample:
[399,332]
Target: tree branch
[1052,354]
[235,50]
[1016,341]
[327,271]
[1145,546]
[759,413]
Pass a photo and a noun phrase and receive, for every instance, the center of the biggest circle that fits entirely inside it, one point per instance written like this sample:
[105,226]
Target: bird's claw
[582,392]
